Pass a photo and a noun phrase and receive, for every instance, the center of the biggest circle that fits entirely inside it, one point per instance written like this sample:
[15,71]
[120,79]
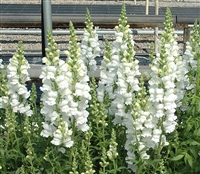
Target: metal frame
[46,18]
[80,32]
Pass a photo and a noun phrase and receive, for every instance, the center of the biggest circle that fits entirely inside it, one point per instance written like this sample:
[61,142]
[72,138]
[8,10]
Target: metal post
[46,18]
[186,37]
[156,29]
[147,7]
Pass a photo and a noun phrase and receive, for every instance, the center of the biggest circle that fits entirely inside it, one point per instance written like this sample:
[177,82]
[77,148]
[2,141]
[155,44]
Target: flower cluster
[118,80]
[79,83]
[65,93]
[183,81]
[17,75]
[112,152]
[166,79]
[1,65]
[56,97]
[105,85]
[127,84]
[112,59]
[90,46]
[190,62]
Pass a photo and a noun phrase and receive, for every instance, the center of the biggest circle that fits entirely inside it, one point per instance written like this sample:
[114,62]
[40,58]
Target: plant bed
[114,124]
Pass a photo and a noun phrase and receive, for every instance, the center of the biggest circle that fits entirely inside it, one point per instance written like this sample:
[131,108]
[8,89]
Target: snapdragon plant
[20,126]
[90,48]
[113,57]
[184,149]
[79,83]
[55,78]
[3,95]
[164,95]
[17,75]
[108,159]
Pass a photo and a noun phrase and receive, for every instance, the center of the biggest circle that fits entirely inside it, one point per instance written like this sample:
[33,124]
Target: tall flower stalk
[78,83]
[17,75]
[141,128]
[120,70]
[105,84]
[127,84]
[112,58]
[165,87]
[17,109]
[3,95]
[186,148]
[98,120]
[195,43]
[56,97]
[118,82]
[90,45]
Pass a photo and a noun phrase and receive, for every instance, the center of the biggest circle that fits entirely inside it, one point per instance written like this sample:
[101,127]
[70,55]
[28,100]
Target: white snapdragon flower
[142,150]
[17,75]
[163,98]
[166,86]
[48,130]
[108,77]
[80,91]
[56,101]
[90,48]
[3,101]
[109,67]
[157,94]
[62,136]
[107,74]
[1,64]
[118,80]
[56,98]
[78,85]
[188,64]
[127,83]
[156,135]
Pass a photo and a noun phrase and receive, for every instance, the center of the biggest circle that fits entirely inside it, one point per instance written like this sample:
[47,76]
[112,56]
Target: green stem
[73,138]
[115,167]
[197,87]
[158,156]
[159,149]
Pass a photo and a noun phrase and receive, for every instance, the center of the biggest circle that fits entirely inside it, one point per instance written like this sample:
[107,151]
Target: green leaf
[193,142]
[197,132]
[189,159]
[197,169]
[18,171]
[178,157]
